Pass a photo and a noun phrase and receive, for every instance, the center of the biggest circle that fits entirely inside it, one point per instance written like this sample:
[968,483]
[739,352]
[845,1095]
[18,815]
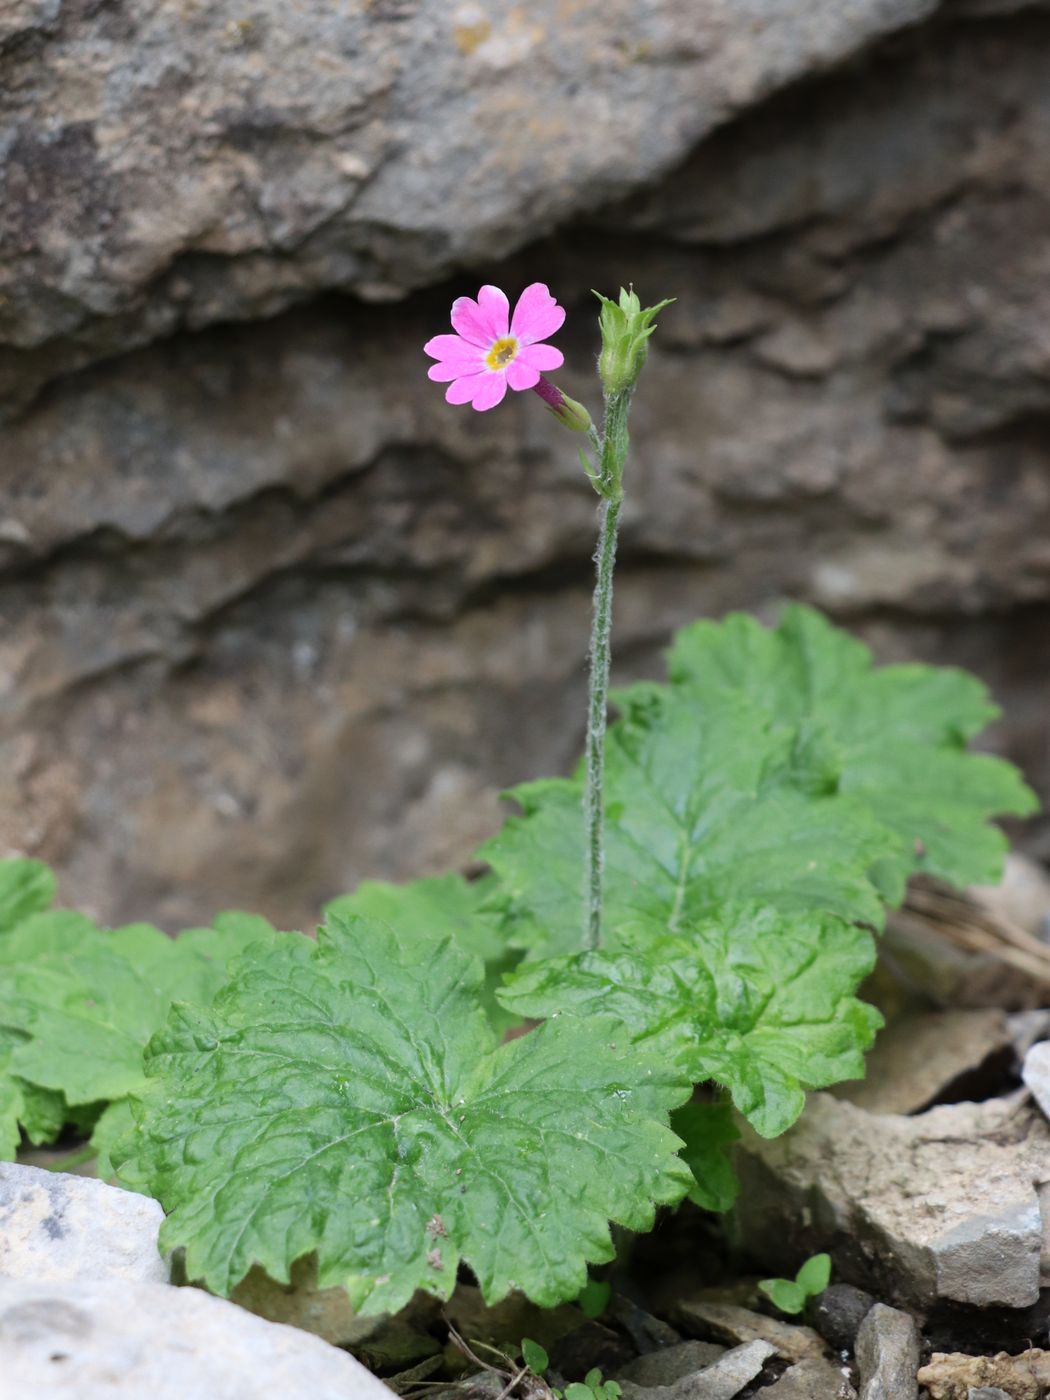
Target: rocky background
[273,617]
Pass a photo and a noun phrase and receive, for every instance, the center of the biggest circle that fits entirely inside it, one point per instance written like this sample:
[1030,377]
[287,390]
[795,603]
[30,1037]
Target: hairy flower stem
[610,483]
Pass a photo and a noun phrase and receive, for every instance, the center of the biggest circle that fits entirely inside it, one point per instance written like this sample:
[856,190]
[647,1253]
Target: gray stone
[720,1380]
[326,1312]
[987,1392]
[944,1205]
[726,1377]
[837,1314]
[815,1379]
[1027,1028]
[664,1367]
[57,1227]
[738,1325]
[98,1340]
[372,148]
[918,1056]
[1036,1074]
[888,1355]
[1022,897]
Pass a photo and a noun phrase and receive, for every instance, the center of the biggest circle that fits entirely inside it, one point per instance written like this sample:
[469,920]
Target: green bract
[356,1104]
[626,326]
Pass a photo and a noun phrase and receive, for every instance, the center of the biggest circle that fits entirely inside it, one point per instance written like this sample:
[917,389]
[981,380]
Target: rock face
[941,1207]
[215,166]
[56,1228]
[98,1340]
[273,617]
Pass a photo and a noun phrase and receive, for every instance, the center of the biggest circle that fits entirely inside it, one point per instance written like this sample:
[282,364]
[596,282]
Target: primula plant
[683,924]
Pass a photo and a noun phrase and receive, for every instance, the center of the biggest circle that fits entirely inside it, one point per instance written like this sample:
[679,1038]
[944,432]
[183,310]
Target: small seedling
[791,1295]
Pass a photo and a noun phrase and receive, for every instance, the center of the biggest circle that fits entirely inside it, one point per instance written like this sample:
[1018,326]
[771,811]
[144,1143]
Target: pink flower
[492,349]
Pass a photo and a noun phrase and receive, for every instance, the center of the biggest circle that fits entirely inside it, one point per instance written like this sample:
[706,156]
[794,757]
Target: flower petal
[463,390]
[540,357]
[482,321]
[521,375]
[452,348]
[491,391]
[442,373]
[537,315]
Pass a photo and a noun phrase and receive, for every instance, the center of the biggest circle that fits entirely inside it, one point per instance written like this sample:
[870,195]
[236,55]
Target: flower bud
[569,413]
[626,327]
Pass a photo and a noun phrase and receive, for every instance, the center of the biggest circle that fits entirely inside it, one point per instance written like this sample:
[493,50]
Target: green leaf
[356,1105]
[900,732]
[595,1294]
[814,1275]
[91,1001]
[708,1131]
[80,1003]
[442,906]
[756,1000]
[705,803]
[113,1124]
[785,1295]
[26,887]
[439,906]
[44,1114]
[11,1107]
[534,1357]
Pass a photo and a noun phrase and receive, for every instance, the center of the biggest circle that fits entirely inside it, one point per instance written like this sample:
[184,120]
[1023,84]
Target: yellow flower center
[502,352]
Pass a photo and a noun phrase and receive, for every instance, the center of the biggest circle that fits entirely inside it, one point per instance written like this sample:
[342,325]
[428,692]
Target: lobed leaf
[88,1000]
[706,803]
[356,1105]
[442,906]
[757,1000]
[708,1132]
[78,1003]
[26,887]
[900,732]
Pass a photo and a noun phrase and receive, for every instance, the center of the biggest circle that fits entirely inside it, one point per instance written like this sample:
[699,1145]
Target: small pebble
[888,1355]
[837,1314]
[672,1363]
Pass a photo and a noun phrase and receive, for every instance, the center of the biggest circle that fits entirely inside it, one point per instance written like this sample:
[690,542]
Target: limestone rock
[920,1056]
[326,1312]
[888,1355]
[955,1376]
[815,1379]
[727,1376]
[671,1364]
[1022,897]
[98,1340]
[941,1206]
[62,1228]
[272,555]
[1036,1074]
[736,1325]
[225,168]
